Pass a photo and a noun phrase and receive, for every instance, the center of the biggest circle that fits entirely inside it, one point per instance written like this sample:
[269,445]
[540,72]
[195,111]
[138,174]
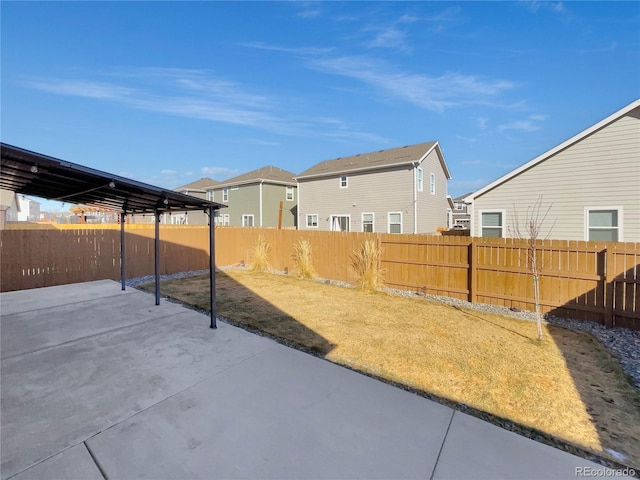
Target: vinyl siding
[243,201]
[271,197]
[601,170]
[379,192]
[432,209]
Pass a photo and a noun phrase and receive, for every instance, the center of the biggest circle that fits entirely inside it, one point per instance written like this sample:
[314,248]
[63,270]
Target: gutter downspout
[261,182]
[415,197]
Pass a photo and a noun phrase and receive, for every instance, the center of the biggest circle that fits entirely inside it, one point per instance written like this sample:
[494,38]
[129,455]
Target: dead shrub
[366,263]
[260,256]
[303,259]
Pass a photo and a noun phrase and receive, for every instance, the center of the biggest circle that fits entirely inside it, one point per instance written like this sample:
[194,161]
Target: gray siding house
[459,216]
[196,189]
[591,182]
[253,199]
[400,190]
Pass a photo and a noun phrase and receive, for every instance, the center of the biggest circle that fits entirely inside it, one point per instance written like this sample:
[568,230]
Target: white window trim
[346,181]
[225,195]
[253,219]
[373,220]
[211,195]
[503,227]
[287,191]
[339,215]
[620,221]
[226,219]
[389,221]
[432,183]
[307,220]
[420,179]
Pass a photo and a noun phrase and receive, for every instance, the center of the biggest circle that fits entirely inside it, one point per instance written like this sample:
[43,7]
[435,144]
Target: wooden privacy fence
[583,280]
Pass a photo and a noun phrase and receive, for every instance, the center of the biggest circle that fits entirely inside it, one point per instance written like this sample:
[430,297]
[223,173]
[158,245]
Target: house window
[340,223]
[459,206]
[432,183]
[222,219]
[343,182]
[247,220]
[420,179]
[395,222]
[492,224]
[179,219]
[367,222]
[604,224]
[312,220]
[225,194]
[290,194]
[210,195]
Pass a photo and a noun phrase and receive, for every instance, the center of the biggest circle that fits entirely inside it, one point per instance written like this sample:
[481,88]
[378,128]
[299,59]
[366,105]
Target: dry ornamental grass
[566,385]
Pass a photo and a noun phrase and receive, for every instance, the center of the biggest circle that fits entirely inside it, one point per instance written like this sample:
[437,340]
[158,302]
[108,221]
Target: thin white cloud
[390,38]
[435,93]
[294,50]
[482,122]
[168,172]
[529,124]
[82,88]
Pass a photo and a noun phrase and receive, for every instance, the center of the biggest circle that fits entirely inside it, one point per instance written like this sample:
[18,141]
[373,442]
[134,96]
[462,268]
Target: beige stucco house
[591,182]
[253,199]
[400,190]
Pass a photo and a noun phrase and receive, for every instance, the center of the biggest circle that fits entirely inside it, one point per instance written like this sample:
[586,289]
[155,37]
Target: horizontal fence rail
[596,281]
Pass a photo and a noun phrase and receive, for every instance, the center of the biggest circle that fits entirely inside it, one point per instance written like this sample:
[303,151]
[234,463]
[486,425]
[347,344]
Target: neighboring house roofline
[450,202]
[366,168]
[268,174]
[254,180]
[564,145]
[200,186]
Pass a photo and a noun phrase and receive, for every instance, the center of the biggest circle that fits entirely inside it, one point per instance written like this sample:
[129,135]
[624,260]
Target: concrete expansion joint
[444,440]
[95,460]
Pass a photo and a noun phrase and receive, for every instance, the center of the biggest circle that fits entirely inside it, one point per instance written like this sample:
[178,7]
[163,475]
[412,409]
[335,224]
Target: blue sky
[167,93]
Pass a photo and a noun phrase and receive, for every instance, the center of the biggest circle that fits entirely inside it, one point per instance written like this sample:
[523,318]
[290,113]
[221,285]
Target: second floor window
[225,194]
[210,195]
[290,194]
[343,182]
[432,184]
[420,179]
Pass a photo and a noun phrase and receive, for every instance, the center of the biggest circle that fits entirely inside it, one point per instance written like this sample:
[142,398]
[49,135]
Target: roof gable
[376,160]
[549,153]
[268,174]
[201,184]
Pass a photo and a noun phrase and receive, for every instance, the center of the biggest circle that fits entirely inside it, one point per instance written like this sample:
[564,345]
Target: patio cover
[30,173]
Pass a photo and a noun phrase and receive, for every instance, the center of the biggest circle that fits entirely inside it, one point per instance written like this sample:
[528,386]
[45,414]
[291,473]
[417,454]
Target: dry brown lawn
[567,385]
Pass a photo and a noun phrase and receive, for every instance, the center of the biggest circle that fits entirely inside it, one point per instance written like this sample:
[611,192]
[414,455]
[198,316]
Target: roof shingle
[365,161]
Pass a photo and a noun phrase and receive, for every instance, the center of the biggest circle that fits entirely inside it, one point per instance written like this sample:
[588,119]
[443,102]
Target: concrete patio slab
[34,330]
[37,298]
[114,384]
[477,449]
[280,414]
[72,464]
[57,397]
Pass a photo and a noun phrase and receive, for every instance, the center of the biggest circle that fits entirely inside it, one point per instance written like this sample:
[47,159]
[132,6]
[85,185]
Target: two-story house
[400,190]
[265,197]
[459,216]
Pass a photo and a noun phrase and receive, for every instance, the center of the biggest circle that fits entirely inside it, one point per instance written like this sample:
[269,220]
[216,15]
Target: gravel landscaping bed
[623,343]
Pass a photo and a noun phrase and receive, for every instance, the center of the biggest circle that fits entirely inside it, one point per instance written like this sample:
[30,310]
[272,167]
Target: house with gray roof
[590,185]
[255,199]
[399,190]
[200,189]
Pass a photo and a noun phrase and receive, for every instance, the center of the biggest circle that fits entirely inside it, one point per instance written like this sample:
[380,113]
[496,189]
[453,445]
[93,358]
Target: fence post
[608,287]
[472,273]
